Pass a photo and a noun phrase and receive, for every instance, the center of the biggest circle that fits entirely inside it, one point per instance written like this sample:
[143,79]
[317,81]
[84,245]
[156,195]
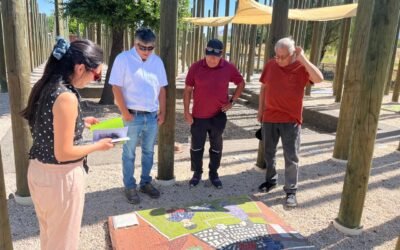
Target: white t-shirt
[140,81]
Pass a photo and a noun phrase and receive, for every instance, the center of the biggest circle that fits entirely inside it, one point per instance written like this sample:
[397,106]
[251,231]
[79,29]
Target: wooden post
[396,89]
[166,134]
[3,74]
[278,30]
[398,240]
[252,52]
[18,71]
[391,64]
[380,46]
[5,231]
[316,43]
[59,22]
[98,33]
[279,25]
[341,58]
[225,35]
[398,149]
[352,80]
[183,47]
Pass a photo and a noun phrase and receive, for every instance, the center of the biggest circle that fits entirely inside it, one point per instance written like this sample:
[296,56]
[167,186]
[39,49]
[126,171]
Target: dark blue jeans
[290,135]
[214,127]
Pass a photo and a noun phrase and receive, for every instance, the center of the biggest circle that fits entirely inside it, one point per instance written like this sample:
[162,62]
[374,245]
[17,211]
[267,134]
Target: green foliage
[73,26]
[183,11]
[50,21]
[115,13]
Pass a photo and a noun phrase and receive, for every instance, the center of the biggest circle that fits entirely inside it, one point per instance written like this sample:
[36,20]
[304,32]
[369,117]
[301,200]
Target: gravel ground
[320,185]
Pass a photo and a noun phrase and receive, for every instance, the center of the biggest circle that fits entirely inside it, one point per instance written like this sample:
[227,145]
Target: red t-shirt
[210,86]
[284,92]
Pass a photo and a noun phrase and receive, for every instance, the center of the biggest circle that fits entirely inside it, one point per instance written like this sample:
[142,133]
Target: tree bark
[398,244]
[18,72]
[341,59]
[59,22]
[373,75]
[166,137]
[107,96]
[5,231]
[352,80]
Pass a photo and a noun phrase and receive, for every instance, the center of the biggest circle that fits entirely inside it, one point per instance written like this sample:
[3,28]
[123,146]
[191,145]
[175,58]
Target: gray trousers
[290,136]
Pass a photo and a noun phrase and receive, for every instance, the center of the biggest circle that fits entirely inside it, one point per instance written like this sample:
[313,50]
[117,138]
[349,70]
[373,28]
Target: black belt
[132,111]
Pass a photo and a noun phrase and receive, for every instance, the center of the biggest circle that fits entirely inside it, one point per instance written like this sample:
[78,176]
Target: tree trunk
[385,18]
[279,25]
[3,74]
[341,59]
[5,231]
[107,96]
[278,30]
[59,22]
[398,244]
[225,36]
[396,89]
[18,72]
[352,80]
[166,136]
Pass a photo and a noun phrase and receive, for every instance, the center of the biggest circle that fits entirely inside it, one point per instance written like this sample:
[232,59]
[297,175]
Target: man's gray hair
[287,43]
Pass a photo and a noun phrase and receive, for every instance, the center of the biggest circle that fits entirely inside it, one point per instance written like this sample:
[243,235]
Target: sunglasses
[145,48]
[96,76]
[217,51]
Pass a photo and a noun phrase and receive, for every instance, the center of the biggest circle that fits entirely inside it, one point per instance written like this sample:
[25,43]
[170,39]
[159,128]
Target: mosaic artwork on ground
[232,223]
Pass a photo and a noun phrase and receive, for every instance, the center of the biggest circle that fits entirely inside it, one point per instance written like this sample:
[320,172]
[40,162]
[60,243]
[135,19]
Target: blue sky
[47,6]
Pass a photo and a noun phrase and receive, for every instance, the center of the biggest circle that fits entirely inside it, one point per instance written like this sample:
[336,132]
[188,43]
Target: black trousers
[214,127]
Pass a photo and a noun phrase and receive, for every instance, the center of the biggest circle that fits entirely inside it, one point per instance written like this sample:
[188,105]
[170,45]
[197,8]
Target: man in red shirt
[280,110]
[208,81]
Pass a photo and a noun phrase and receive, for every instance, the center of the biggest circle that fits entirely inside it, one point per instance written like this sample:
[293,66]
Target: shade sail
[212,21]
[324,13]
[251,12]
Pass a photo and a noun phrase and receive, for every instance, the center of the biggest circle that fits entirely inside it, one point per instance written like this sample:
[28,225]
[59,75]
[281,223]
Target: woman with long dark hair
[57,159]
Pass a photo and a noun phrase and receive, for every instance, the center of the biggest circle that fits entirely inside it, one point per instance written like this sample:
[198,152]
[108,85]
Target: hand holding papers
[111,128]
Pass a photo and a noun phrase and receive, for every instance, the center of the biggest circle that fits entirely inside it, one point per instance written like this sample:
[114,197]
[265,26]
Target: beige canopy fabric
[212,21]
[324,13]
[251,12]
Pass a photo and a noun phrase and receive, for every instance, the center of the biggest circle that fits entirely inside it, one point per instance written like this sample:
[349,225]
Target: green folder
[108,124]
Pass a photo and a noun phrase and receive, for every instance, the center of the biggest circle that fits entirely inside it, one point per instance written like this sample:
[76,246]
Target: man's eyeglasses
[96,76]
[281,58]
[217,51]
[145,48]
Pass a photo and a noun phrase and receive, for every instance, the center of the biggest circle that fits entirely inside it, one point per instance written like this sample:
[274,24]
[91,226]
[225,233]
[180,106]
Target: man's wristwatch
[233,102]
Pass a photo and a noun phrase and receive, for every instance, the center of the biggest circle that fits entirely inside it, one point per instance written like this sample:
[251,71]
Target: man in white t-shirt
[139,79]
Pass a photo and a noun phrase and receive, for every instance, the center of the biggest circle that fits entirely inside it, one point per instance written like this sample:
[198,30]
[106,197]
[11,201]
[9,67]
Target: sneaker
[216,182]
[132,195]
[195,180]
[291,200]
[150,190]
[266,187]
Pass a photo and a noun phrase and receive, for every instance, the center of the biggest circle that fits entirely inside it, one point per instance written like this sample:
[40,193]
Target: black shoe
[266,187]
[291,200]
[150,190]
[216,182]
[132,195]
[195,180]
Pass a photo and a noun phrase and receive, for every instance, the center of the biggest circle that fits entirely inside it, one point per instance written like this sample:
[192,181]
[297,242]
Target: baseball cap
[214,47]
